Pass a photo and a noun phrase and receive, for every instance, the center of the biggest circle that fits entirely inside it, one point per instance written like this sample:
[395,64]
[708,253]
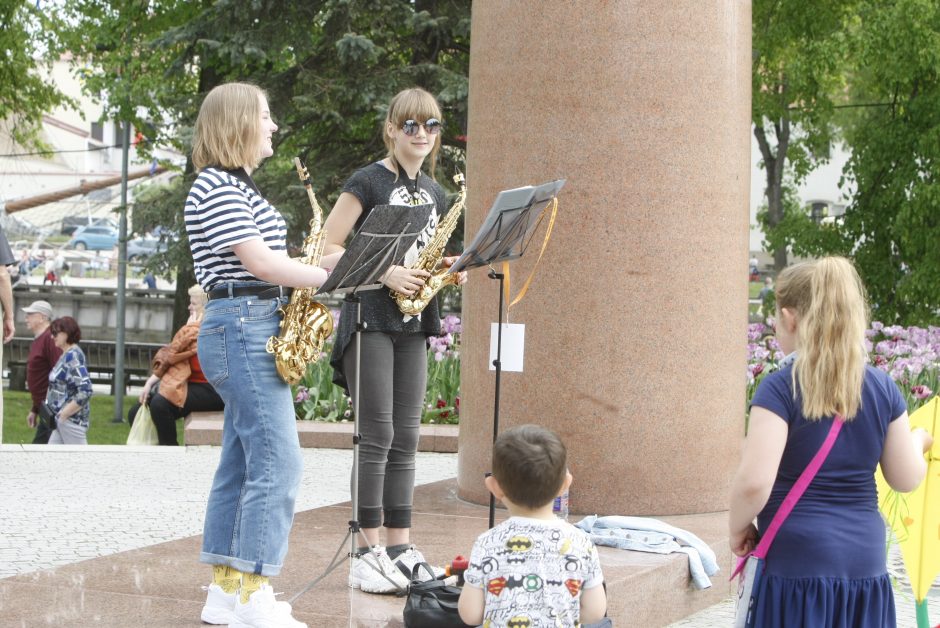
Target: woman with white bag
[177,385]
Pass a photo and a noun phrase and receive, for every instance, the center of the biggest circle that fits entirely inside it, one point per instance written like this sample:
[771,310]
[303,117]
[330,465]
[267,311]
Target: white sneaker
[220,606]
[263,611]
[407,560]
[374,573]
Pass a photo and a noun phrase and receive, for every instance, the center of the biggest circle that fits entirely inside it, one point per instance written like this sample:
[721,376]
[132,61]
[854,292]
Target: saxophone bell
[306,324]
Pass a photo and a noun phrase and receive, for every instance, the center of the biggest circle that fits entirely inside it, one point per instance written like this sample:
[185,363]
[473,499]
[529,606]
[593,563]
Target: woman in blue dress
[826,566]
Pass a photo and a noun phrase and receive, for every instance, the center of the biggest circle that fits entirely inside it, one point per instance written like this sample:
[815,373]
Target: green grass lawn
[102,431]
[754,288]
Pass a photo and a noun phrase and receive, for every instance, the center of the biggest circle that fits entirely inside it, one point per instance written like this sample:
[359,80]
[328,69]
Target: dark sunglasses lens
[432,126]
[410,127]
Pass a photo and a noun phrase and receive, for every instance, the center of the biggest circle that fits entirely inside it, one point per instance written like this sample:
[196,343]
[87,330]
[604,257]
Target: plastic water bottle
[560,506]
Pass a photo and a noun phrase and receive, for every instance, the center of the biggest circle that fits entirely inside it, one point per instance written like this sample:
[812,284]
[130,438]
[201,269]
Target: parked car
[71,223]
[94,238]
[142,247]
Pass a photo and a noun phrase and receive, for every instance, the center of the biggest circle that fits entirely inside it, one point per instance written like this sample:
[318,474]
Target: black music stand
[384,238]
[505,235]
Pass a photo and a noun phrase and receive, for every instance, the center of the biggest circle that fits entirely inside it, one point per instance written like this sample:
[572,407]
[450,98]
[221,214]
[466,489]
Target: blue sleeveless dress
[826,566]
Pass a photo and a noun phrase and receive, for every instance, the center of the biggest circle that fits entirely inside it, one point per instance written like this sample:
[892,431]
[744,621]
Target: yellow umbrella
[915,517]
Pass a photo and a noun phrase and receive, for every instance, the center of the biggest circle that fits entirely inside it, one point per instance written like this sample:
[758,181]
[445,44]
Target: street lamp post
[119,388]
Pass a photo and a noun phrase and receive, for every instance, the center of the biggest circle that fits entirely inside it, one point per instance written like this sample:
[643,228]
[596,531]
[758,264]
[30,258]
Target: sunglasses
[432,126]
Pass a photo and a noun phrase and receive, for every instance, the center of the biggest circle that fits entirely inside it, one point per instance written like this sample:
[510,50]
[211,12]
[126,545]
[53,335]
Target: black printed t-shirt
[376,185]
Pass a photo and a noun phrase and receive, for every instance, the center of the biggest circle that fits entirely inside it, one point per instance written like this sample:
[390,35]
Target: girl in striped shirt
[238,241]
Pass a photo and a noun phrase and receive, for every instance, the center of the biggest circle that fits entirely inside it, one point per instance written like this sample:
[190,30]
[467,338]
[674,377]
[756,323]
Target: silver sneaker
[373,572]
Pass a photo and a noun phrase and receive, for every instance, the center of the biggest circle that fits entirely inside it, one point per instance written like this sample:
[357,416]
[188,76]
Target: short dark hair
[73,333]
[530,463]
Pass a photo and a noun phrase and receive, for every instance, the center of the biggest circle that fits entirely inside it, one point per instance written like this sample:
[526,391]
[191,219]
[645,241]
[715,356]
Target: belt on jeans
[262,292]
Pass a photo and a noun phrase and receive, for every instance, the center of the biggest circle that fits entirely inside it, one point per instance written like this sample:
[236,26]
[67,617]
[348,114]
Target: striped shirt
[224,208]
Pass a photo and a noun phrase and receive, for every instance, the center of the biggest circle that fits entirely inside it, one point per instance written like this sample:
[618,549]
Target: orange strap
[548,235]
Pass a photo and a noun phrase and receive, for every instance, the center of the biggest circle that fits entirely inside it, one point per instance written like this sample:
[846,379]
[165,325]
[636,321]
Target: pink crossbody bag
[751,567]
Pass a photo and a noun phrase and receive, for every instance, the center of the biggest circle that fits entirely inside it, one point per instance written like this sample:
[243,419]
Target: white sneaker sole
[217,616]
[367,587]
[238,624]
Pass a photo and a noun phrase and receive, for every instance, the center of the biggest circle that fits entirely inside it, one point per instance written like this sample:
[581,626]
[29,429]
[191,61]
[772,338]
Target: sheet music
[511,218]
[386,234]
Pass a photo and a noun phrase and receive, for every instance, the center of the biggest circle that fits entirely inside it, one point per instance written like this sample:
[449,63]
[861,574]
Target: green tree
[892,227]
[329,69]
[798,77]
[28,38]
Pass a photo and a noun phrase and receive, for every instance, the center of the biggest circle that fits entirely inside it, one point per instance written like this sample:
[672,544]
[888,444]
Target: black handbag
[47,415]
[431,604]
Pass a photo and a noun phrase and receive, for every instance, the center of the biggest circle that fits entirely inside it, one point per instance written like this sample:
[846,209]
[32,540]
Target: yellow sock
[251,582]
[226,577]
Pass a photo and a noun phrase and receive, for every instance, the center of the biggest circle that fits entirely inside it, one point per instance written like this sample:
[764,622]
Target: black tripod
[383,239]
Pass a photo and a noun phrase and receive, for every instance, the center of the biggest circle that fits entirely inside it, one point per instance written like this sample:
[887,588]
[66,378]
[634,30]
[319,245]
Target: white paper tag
[513,344]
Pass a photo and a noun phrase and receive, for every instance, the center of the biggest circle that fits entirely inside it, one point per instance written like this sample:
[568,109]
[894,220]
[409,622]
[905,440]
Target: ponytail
[829,301]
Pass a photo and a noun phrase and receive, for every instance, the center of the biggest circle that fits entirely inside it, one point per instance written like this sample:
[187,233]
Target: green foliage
[317,398]
[28,39]
[796,231]
[882,60]
[895,164]
[329,69]
[800,52]
[114,51]
[799,55]
[102,431]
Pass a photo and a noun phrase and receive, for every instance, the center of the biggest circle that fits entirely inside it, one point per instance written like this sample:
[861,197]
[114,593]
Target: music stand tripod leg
[497,363]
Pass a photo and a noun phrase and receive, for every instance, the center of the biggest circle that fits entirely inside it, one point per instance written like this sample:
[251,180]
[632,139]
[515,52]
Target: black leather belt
[262,292]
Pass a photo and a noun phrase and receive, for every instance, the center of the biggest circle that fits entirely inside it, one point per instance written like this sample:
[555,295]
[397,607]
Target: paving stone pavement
[112,499]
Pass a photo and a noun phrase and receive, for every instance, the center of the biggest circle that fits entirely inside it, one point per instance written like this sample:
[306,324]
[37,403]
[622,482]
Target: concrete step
[205,428]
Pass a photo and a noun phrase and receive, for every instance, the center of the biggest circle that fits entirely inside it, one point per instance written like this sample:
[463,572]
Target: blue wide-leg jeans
[251,504]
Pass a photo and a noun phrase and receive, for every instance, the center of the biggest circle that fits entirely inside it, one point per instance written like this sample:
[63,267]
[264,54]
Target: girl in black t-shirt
[393,372]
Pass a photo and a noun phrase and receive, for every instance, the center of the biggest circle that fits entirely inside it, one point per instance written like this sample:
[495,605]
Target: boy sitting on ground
[533,566]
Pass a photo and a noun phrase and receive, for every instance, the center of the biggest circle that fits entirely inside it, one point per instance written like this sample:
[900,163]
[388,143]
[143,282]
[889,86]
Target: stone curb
[205,428]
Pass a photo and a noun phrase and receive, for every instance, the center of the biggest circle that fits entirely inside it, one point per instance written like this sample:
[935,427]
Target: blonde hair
[829,301]
[228,127]
[200,306]
[411,104]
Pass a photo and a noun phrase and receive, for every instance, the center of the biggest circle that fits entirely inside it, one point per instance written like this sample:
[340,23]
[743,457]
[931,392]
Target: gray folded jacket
[643,534]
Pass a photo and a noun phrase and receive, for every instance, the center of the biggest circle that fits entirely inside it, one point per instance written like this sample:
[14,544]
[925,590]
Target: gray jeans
[68,433]
[393,380]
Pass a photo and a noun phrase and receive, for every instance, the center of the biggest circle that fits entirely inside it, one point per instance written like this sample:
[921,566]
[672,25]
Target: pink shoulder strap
[796,491]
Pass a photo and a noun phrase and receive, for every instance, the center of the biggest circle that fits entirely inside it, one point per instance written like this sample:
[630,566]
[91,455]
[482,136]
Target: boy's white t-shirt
[532,572]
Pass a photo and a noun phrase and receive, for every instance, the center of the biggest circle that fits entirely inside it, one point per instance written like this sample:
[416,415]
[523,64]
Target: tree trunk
[774,162]
[185,275]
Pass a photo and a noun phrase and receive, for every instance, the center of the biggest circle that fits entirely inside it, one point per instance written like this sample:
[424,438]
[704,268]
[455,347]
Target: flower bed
[910,355]
[317,398]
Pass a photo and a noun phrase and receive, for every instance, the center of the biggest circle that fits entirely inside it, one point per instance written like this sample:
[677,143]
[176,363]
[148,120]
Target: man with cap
[43,355]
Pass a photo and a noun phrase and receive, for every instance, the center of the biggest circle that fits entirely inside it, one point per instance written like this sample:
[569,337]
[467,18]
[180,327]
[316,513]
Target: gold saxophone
[306,324]
[431,256]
